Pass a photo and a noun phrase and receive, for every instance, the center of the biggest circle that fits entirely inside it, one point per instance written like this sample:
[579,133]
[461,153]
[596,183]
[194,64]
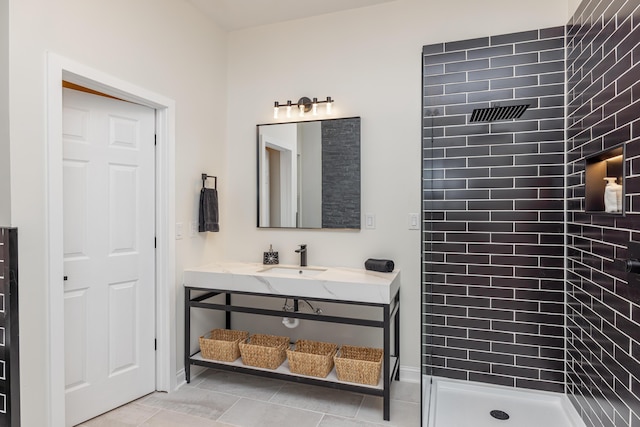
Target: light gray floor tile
[319,399]
[403,414]
[254,413]
[248,386]
[166,418]
[408,392]
[333,421]
[303,405]
[132,414]
[193,401]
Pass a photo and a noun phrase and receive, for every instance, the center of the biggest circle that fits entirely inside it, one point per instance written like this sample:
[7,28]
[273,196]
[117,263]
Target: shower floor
[463,404]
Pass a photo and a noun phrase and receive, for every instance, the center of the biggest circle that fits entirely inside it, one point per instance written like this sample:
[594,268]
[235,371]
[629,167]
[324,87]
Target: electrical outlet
[193,229]
[414,221]
[370,221]
[179,230]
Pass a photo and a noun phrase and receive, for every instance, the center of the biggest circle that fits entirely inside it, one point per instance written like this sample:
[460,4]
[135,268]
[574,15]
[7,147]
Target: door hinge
[155,344]
[155,140]
[155,242]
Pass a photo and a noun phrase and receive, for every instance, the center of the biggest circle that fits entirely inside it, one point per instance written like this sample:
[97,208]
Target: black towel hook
[204,180]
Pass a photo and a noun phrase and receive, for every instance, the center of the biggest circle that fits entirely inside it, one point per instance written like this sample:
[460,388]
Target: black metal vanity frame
[390,314]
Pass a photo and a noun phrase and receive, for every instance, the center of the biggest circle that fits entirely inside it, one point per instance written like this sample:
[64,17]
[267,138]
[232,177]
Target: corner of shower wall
[603,311]
[9,327]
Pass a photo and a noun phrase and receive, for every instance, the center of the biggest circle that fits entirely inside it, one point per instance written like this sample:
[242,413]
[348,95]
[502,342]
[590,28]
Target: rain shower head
[496,113]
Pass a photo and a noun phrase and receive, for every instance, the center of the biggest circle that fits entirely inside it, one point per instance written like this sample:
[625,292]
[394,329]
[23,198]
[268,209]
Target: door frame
[59,69]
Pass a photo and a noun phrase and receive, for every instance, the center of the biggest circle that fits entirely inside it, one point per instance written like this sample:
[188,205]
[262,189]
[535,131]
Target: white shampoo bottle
[612,195]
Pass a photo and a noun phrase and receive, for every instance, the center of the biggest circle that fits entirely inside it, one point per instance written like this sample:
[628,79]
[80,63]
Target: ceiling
[239,14]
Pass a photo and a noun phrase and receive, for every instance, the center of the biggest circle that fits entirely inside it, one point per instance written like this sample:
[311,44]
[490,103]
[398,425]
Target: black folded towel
[382,265]
[208,217]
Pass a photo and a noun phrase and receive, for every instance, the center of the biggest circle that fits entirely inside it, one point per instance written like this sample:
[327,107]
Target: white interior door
[109,254]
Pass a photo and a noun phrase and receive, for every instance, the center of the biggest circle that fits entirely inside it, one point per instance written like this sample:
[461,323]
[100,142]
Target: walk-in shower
[493,238]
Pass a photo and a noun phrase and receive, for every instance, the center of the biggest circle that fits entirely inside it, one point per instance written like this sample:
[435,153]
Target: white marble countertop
[332,283]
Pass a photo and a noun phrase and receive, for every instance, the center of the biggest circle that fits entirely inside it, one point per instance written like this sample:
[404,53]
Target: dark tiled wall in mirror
[603,315]
[341,173]
[493,249]
[9,350]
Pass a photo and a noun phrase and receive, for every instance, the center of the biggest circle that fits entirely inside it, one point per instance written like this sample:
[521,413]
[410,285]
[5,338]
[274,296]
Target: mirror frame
[258,174]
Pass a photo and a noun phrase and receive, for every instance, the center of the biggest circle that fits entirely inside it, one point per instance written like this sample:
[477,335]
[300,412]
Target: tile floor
[220,398]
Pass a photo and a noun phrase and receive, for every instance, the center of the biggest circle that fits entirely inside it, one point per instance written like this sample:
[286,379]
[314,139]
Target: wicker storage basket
[359,364]
[312,358]
[222,344]
[264,351]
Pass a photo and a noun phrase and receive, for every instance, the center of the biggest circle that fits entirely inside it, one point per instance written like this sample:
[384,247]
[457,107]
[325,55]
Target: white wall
[572,6]
[369,61]
[164,46]
[5,176]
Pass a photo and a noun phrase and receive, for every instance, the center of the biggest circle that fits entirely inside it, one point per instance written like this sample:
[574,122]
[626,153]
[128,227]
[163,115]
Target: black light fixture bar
[304,105]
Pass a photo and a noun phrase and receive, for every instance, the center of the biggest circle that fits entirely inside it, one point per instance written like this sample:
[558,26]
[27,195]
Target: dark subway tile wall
[9,346]
[494,210]
[603,320]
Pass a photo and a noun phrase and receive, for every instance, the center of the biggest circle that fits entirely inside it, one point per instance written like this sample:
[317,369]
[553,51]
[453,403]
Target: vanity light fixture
[304,105]
[289,109]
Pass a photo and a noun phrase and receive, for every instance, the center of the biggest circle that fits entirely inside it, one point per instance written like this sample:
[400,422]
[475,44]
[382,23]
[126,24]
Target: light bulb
[314,106]
[329,102]
[301,108]
[288,108]
[276,109]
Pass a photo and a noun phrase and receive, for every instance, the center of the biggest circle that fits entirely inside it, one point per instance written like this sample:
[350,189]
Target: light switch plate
[179,230]
[193,229]
[414,221]
[369,221]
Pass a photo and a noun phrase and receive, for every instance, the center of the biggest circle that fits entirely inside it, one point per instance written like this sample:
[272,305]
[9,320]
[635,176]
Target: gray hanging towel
[208,218]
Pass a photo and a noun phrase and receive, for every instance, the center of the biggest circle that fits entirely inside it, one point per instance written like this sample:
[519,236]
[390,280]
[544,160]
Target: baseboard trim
[181,380]
[410,374]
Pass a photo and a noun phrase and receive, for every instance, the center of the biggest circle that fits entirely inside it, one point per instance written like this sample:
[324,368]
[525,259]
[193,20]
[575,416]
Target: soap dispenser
[270,257]
[612,195]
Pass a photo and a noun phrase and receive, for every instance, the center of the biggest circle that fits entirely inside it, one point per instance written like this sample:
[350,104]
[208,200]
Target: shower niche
[604,182]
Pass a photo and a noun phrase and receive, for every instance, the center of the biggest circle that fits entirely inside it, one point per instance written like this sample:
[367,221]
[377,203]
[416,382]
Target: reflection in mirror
[309,174]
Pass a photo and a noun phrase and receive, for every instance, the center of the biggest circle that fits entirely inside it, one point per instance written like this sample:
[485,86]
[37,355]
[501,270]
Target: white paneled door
[109,255]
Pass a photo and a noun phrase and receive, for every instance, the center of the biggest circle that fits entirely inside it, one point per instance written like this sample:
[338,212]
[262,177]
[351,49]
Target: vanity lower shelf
[284,373]
[209,298]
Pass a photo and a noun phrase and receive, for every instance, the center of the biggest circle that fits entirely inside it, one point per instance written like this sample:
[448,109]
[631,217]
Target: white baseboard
[181,380]
[409,374]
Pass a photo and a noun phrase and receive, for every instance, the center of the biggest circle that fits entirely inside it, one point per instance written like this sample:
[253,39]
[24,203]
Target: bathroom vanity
[214,286]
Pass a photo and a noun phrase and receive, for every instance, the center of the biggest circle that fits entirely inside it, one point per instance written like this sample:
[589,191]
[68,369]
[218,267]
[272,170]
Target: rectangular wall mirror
[309,174]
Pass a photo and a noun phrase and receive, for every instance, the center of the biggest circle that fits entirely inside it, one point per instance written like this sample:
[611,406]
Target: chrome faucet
[303,255]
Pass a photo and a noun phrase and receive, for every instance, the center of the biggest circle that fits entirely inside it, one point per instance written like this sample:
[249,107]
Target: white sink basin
[330,283]
[294,271]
